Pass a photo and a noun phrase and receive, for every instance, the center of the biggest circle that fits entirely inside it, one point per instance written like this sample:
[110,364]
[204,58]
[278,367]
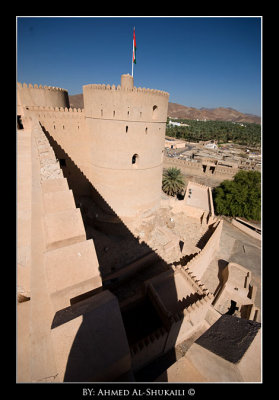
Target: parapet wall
[246,229]
[198,265]
[121,103]
[178,325]
[148,349]
[29,95]
[197,168]
[67,127]
[70,261]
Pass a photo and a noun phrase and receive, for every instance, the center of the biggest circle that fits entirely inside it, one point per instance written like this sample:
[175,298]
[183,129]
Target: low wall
[191,211]
[246,229]
[201,261]
[188,321]
[24,212]
[148,349]
[195,168]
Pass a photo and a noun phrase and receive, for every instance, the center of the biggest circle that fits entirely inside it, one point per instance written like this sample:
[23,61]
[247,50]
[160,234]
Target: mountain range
[179,111]
[214,114]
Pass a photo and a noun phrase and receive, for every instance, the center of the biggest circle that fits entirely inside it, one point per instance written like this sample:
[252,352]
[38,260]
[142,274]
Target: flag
[134,47]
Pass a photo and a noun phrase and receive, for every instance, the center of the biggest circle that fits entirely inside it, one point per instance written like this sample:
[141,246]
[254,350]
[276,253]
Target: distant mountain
[179,111]
[214,114]
[76,101]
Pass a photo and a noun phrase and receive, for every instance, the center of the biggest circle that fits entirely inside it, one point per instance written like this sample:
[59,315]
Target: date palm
[173,181]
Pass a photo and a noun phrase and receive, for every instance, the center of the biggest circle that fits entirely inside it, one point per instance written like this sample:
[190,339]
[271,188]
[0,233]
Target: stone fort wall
[217,172]
[117,140]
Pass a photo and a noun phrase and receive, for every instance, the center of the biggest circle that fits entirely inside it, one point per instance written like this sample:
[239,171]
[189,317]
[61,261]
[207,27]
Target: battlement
[35,86]
[125,103]
[74,111]
[194,308]
[197,266]
[96,86]
[39,95]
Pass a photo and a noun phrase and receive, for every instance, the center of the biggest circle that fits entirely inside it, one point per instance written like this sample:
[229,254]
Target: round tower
[126,132]
[46,96]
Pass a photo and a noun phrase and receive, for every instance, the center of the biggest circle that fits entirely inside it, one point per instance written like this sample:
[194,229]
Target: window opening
[135,158]
[19,122]
[155,111]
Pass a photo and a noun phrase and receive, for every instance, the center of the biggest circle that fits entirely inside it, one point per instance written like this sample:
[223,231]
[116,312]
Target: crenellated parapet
[35,86]
[39,95]
[125,102]
[197,266]
[51,112]
[118,87]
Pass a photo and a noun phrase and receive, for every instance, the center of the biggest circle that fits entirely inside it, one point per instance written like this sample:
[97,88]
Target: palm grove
[222,131]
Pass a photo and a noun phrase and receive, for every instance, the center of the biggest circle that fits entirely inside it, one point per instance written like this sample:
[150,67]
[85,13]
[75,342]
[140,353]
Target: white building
[176,123]
[211,146]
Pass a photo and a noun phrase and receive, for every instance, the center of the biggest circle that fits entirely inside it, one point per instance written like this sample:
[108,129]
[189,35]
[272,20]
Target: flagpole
[132,67]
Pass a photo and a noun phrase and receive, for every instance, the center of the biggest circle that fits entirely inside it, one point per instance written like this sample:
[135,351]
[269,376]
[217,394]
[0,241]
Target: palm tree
[173,181]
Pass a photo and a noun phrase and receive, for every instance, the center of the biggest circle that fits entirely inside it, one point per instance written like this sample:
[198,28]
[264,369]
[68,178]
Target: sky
[200,61]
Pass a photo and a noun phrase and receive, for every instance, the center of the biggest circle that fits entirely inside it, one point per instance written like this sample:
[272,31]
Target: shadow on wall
[221,266]
[117,250]
[115,245]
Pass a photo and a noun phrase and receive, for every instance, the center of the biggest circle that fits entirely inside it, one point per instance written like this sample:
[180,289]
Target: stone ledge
[58,201]
[63,228]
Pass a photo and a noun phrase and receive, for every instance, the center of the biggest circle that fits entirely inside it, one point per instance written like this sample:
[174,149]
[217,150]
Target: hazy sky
[200,61]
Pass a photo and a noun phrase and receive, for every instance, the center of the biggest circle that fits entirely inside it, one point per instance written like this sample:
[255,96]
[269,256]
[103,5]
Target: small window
[146,130]
[101,113]
[114,113]
[155,112]
[135,158]
[128,113]
[63,126]
[126,128]
[140,114]
[19,122]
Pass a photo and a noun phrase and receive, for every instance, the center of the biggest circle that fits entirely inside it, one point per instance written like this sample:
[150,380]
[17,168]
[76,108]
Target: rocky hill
[179,111]
[215,114]
[76,101]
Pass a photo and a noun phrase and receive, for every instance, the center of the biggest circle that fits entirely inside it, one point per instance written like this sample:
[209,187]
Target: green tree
[240,197]
[173,181]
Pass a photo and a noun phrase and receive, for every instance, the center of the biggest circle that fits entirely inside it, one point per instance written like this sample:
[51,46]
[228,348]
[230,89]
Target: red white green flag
[134,47]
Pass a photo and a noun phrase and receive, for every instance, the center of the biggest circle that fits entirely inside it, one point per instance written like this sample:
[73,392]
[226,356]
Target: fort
[111,273]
